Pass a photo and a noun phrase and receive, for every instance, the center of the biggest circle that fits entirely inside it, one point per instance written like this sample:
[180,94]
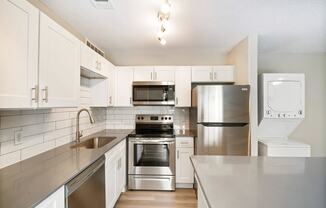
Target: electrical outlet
[18,137]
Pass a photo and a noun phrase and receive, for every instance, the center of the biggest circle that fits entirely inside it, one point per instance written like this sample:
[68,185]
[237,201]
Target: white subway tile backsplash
[20,120]
[58,133]
[37,129]
[10,146]
[36,149]
[63,140]
[9,159]
[56,116]
[63,124]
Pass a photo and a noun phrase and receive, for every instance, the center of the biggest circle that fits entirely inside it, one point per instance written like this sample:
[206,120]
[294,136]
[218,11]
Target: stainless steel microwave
[153,93]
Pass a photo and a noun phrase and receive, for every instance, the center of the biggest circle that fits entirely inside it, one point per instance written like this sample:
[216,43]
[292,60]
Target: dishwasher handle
[80,179]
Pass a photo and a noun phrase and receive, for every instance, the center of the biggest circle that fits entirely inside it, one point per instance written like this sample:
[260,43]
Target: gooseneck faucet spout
[91,119]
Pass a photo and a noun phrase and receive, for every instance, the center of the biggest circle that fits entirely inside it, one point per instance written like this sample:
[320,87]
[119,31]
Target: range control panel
[154,118]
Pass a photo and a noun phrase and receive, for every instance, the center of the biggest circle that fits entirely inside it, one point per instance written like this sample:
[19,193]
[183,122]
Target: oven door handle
[152,142]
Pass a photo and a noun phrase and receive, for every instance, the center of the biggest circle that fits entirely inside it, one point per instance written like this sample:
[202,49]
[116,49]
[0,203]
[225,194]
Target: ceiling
[198,28]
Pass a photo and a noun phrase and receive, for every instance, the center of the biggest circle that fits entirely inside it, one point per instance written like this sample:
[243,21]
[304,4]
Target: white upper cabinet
[183,86]
[143,73]
[202,74]
[19,22]
[124,86]
[164,73]
[59,65]
[111,84]
[93,61]
[222,73]
[157,73]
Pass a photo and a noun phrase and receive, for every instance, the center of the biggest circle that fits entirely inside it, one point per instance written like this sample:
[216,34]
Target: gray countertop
[256,182]
[184,133]
[26,183]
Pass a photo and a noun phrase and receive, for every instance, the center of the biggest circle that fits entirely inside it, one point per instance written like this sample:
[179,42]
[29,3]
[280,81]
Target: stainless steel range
[151,154]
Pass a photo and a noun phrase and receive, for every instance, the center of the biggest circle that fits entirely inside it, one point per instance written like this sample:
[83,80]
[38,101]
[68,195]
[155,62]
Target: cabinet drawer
[185,142]
[116,149]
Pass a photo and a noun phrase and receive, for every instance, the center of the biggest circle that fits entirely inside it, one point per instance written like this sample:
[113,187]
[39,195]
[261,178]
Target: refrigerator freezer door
[222,140]
[223,103]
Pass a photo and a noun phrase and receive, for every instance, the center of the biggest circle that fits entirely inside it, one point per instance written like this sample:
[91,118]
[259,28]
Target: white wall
[313,129]
[44,129]
[244,57]
[130,57]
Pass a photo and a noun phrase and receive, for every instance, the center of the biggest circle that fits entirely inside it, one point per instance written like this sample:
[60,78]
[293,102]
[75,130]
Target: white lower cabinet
[184,169]
[115,173]
[55,200]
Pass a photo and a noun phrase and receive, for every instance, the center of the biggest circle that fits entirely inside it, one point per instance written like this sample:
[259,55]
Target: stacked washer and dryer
[281,110]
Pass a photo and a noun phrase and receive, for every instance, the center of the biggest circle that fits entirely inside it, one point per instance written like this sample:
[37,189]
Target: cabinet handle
[46,94]
[35,90]
[100,66]
[110,99]
[178,154]
[215,75]
[130,100]
[211,75]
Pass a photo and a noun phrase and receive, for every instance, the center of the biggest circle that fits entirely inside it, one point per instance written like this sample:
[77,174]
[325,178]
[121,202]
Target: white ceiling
[213,26]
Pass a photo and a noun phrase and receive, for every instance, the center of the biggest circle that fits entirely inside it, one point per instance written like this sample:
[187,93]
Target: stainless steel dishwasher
[88,188]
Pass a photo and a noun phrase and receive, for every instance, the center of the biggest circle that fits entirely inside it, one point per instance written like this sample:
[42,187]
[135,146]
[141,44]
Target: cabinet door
[102,65]
[143,73]
[224,73]
[88,57]
[121,170]
[183,87]
[59,72]
[184,169]
[19,22]
[110,181]
[55,200]
[164,73]
[202,74]
[111,84]
[124,86]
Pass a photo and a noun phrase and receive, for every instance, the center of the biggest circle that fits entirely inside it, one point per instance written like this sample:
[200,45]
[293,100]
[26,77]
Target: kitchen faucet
[91,119]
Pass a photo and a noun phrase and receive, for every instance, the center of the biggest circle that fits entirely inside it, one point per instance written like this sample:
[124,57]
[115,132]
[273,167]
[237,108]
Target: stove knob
[142,118]
[166,118]
[162,118]
[138,118]
[169,118]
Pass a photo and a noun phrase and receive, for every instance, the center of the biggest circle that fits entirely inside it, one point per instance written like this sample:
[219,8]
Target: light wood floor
[181,198]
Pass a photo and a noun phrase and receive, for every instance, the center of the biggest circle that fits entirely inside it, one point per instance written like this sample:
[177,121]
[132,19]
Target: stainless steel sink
[94,143]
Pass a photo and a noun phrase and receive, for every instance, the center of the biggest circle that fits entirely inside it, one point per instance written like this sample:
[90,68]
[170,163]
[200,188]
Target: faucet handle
[80,133]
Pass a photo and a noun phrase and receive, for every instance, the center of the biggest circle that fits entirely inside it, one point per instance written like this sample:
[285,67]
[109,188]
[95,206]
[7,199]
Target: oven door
[153,93]
[151,156]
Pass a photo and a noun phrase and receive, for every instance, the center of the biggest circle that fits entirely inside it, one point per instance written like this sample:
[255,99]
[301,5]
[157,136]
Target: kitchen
[94,125]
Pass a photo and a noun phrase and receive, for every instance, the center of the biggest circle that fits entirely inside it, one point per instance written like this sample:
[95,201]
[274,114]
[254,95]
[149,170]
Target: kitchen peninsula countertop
[255,182]
[27,183]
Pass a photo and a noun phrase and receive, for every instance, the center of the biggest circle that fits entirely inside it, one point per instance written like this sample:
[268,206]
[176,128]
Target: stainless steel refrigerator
[220,118]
